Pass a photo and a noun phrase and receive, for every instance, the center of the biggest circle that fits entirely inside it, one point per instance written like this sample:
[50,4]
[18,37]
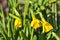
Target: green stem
[54,35]
[8,28]
[56,15]
[53,8]
[20,33]
[13,16]
[25,13]
[53,12]
[1,31]
[32,34]
[42,18]
[3,35]
[3,22]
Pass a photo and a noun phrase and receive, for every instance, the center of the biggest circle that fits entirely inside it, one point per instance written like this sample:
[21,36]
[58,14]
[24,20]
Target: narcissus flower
[18,23]
[35,23]
[52,1]
[46,26]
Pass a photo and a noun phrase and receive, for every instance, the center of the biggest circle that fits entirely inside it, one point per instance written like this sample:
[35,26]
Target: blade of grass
[48,35]
[16,12]
[55,35]
[53,12]
[3,21]
[56,15]
[32,32]
[8,27]
[13,16]
[25,13]
[2,31]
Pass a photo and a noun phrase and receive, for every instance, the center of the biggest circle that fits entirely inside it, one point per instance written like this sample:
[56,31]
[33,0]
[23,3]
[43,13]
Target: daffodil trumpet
[35,22]
[17,23]
[46,26]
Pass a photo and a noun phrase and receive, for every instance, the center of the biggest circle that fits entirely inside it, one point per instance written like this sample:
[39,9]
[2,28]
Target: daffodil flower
[46,26]
[18,23]
[35,22]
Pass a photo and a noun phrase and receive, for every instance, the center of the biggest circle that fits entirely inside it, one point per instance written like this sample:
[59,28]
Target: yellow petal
[35,23]
[47,26]
[36,26]
[17,23]
[32,23]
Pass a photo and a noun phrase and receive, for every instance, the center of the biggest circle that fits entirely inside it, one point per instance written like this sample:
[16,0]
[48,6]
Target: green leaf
[34,38]
[55,35]
[16,12]
[48,35]
[22,34]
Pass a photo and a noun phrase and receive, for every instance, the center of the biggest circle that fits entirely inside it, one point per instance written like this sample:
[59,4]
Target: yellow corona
[47,26]
[35,22]
[18,23]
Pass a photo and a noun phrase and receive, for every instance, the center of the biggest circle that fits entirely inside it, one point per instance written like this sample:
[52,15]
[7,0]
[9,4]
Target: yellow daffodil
[51,1]
[46,26]
[42,8]
[35,22]
[18,23]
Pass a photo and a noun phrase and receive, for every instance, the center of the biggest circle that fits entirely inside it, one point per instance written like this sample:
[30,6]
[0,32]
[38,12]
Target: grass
[29,12]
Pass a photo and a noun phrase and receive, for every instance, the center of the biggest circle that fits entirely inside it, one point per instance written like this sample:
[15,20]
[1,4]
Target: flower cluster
[37,23]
